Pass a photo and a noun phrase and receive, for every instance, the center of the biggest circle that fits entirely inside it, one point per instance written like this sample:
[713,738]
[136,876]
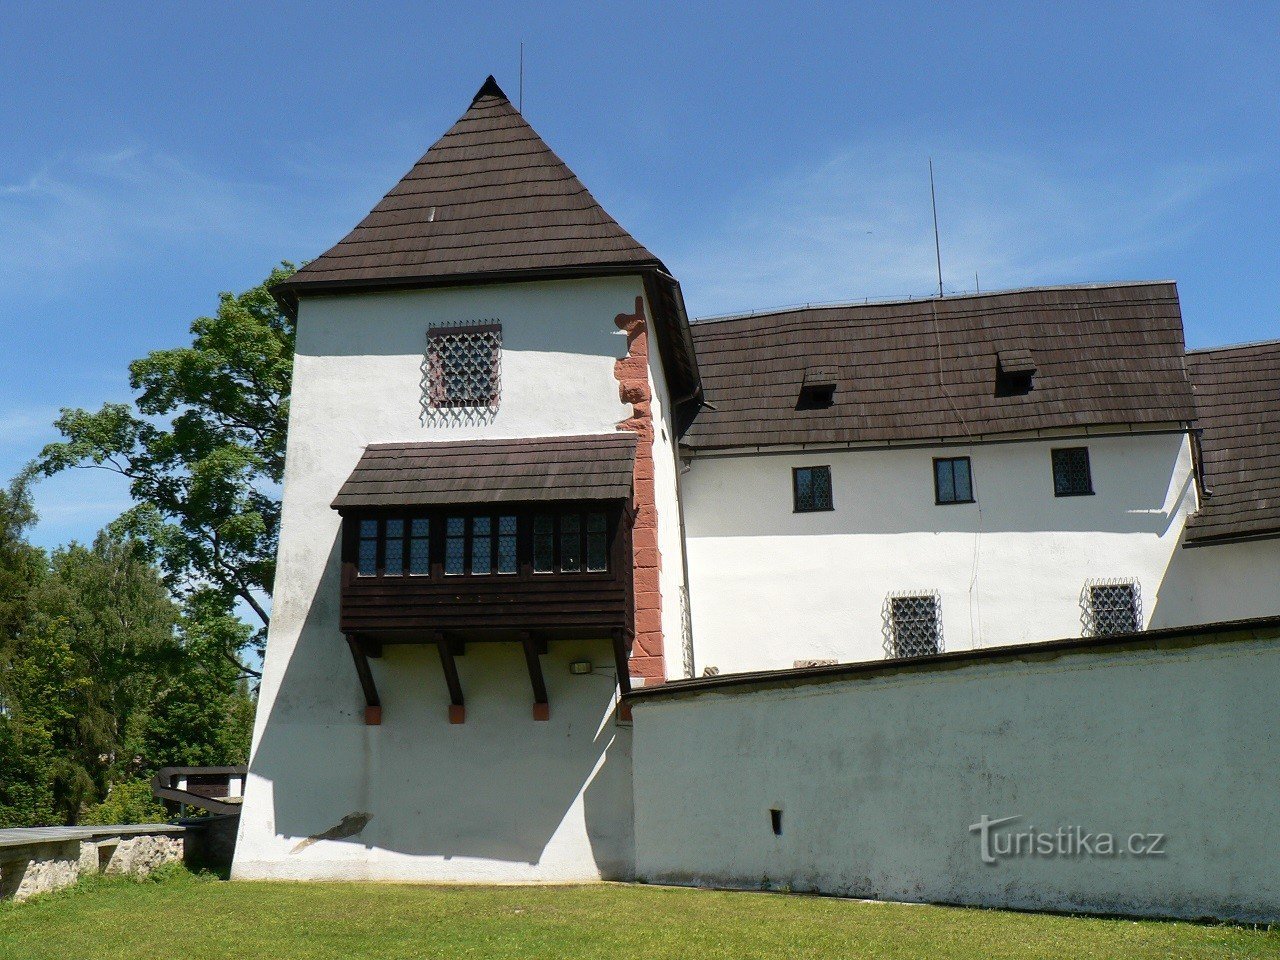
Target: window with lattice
[1071,477]
[462,371]
[914,624]
[811,489]
[1112,607]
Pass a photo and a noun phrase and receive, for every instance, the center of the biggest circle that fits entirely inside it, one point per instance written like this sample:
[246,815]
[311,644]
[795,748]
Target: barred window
[952,480]
[1071,476]
[914,624]
[811,489]
[462,371]
[1112,607]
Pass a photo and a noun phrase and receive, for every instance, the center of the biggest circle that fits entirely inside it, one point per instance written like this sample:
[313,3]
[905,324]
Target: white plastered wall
[501,797]
[880,778]
[770,586]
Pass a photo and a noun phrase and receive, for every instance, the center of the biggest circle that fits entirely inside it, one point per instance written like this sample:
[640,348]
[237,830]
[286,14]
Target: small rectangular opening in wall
[775,821]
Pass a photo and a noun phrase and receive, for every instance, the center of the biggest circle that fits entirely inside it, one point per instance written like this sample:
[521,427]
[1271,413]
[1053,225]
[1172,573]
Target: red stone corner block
[372,716]
[542,711]
[457,713]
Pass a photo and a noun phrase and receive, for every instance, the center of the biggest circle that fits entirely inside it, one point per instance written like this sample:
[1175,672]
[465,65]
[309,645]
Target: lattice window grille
[1071,476]
[462,373]
[1111,607]
[912,623]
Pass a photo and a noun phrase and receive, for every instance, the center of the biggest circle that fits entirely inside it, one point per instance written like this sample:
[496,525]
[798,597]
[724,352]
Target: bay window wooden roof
[530,469]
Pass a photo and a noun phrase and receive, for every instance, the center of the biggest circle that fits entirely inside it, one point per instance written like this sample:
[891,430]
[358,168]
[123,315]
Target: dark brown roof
[596,467]
[488,198]
[1237,394]
[924,370]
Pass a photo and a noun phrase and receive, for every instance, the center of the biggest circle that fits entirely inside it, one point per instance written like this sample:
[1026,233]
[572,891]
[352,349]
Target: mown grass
[190,917]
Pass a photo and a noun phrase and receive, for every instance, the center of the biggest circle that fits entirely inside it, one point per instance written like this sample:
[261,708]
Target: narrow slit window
[508,561]
[455,546]
[597,543]
[420,547]
[544,544]
[368,558]
[570,543]
[1071,475]
[952,480]
[393,565]
[481,546]
[811,489]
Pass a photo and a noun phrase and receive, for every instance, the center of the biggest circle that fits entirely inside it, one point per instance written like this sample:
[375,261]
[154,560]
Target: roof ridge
[1237,346]
[890,301]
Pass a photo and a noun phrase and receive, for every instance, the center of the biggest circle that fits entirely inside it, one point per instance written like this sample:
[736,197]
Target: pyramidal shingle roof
[489,198]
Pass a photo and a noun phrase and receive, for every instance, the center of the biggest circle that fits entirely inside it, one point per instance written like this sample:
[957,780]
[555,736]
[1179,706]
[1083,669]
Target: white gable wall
[770,586]
[556,795]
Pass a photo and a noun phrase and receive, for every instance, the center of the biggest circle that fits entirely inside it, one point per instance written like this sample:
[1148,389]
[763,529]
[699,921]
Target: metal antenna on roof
[937,244]
[520,96]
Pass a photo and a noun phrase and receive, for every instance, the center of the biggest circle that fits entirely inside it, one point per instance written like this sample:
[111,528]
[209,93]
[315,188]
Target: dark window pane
[1071,476]
[812,488]
[964,482]
[915,623]
[544,544]
[420,546]
[455,546]
[597,542]
[393,561]
[481,545]
[369,528]
[570,544]
[507,559]
[946,481]
[367,564]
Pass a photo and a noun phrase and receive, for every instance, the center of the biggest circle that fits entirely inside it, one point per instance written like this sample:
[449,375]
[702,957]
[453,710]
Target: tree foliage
[203,449]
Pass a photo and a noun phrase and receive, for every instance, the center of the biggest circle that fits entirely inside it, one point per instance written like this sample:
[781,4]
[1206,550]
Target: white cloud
[859,224]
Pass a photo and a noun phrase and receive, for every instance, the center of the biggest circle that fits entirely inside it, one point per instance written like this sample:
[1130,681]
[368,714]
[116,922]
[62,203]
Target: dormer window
[462,370]
[1015,370]
[818,390]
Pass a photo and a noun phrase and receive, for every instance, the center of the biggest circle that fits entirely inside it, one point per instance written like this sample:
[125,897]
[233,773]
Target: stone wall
[43,859]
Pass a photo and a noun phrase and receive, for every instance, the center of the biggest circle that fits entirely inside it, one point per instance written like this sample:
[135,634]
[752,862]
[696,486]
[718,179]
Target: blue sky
[770,154]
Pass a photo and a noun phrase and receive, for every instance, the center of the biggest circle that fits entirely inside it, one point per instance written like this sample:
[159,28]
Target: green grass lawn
[184,917]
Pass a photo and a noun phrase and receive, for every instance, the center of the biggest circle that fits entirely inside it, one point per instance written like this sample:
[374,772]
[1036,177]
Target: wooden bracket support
[373,706]
[532,648]
[457,709]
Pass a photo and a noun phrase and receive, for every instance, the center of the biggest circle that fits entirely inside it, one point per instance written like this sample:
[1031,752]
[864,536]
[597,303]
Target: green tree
[203,449]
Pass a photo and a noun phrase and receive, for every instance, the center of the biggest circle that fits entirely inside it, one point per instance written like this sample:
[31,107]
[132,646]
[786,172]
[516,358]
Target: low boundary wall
[983,778]
[42,859]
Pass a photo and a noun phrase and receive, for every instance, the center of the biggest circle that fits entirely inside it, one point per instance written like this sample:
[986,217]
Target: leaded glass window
[915,624]
[597,543]
[455,545]
[1071,477]
[952,480]
[481,545]
[393,564]
[570,543]
[812,489]
[508,561]
[367,565]
[1112,607]
[544,543]
[420,546]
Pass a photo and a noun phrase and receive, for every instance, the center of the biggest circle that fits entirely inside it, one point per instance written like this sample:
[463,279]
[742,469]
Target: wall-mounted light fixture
[579,667]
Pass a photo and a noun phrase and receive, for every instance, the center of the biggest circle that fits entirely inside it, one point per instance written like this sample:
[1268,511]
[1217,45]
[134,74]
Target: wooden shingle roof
[591,467]
[488,199]
[924,370]
[1237,395]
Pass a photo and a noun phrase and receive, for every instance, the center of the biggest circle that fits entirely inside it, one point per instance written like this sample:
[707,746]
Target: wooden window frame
[937,487]
[437,517]
[795,490]
[1088,471]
